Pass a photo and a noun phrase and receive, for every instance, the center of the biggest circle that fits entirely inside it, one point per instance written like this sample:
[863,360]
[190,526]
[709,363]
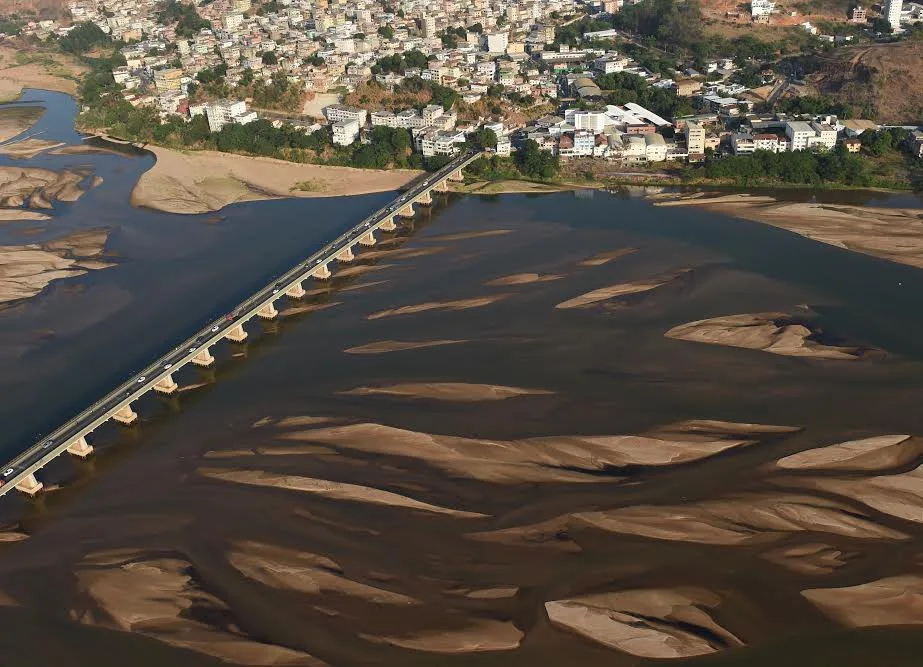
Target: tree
[246,77]
[386,31]
[533,162]
[416,58]
[882,26]
[485,138]
[477,27]
[269,58]
[83,37]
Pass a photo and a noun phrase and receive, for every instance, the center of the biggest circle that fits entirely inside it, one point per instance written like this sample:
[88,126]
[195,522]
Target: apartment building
[345,131]
[695,138]
[168,79]
[338,112]
[222,112]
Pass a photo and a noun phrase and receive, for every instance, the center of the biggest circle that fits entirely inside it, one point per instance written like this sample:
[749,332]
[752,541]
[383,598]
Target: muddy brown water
[611,371]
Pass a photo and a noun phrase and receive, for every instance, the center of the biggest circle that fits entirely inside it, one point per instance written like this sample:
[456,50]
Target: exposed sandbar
[524,279]
[739,520]
[304,572]
[464,236]
[161,597]
[894,234]
[385,346]
[479,635]
[448,391]
[812,558]
[39,188]
[777,333]
[889,601]
[17,214]
[651,623]
[326,488]
[440,306]
[203,181]
[622,289]
[28,148]
[14,120]
[606,257]
[876,453]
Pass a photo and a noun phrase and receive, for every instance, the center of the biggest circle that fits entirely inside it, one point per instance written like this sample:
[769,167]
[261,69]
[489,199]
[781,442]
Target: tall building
[240,5]
[497,42]
[893,13]
[222,112]
[429,25]
[695,138]
[168,79]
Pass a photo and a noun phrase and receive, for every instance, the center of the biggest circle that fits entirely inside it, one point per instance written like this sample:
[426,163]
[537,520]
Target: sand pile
[28,148]
[777,333]
[875,453]
[812,558]
[15,120]
[385,346]
[524,279]
[39,188]
[439,306]
[477,635]
[162,598]
[651,623]
[606,257]
[889,601]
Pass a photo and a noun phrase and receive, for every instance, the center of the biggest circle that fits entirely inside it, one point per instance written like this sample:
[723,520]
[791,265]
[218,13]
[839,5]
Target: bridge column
[322,272]
[204,358]
[29,485]
[237,334]
[456,176]
[166,385]
[346,254]
[125,415]
[388,225]
[426,198]
[80,447]
[268,312]
[368,239]
[442,186]
[406,212]
[296,291]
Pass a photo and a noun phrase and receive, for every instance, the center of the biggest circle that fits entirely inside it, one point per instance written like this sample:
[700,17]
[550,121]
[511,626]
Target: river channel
[262,515]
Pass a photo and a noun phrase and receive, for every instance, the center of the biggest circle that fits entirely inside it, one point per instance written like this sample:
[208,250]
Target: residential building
[611,63]
[232,21]
[429,25]
[655,148]
[916,138]
[496,42]
[222,112]
[742,143]
[853,145]
[858,14]
[439,142]
[761,8]
[687,87]
[345,131]
[892,13]
[768,142]
[824,137]
[168,79]
[695,138]
[799,133]
[337,112]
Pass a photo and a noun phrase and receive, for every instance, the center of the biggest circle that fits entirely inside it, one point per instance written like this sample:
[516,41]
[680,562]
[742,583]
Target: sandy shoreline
[895,234]
[204,181]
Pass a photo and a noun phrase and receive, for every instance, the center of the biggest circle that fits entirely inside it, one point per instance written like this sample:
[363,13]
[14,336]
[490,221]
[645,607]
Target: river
[390,585]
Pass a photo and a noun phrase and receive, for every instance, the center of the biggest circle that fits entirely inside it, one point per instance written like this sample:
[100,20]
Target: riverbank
[894,234]
[203,181]
[37,68]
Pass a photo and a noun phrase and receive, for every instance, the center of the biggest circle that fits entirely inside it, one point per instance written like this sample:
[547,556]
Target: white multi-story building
[587,120]
[232,21]
[761,8]
[824,137]
[799,134]
[584,142]
[345,132]
[385,118]
[893,13]
[695,138]
[429,25]
[767,142]
[742,143]
[655,148]
[440,142]
[431,112]
[337,112]
[222,112]
[497,42]
[611,63]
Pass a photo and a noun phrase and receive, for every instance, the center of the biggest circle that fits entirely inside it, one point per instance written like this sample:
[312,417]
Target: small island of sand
[385,346]
[777,333]
[26,270]
[28,148]
[634,287]
[203,181]
[448,391]
[37,188]
[651,623]
[15,120]
[889,601]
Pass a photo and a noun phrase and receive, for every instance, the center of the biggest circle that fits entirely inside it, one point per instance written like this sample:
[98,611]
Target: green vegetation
[84,37]
[187,19]
[439,94]
[623,87]
[388,147]
[269,58]
[808,104]
[398,63]
[535,163]
[796,168]
[386,31]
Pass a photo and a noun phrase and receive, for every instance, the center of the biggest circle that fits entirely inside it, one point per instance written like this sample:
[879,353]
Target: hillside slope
[882,80]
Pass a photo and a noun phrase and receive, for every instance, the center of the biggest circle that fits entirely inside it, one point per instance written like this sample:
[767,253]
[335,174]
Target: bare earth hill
[886,78]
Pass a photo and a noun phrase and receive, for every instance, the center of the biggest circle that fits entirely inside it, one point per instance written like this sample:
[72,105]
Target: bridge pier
[125,415]
[368,240]
[322,272]
[204,358]
[406,212]
[296,291]
[268,312]
[80,447]
[346,254]
[442,186]
[388,225]
[456,176]
[166,385]
[426,198]
[237,334]
[30,485]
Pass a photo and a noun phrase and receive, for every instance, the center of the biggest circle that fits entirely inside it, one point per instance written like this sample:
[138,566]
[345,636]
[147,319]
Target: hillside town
[498,65]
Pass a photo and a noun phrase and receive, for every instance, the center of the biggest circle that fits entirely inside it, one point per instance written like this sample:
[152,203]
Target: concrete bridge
[74,436]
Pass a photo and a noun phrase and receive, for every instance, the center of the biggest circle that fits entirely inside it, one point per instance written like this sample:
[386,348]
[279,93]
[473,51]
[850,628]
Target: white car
[193,348]
[275,291]
[215,328]
[142,379]
[167,366]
